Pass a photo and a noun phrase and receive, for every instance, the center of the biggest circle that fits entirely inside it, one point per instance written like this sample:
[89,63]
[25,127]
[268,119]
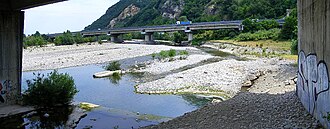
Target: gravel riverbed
[55,57]
[269,102]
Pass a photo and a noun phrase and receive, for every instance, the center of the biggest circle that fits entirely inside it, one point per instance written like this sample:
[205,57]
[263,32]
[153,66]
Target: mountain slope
[128,13]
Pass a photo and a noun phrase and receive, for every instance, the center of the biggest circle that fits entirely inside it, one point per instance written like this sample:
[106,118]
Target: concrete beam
[11,47]
[25,4]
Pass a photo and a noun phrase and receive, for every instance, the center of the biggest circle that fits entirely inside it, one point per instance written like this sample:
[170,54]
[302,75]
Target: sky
[73,15]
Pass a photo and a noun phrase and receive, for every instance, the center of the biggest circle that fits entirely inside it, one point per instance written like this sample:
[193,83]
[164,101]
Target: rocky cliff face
[129,11]
[172,9]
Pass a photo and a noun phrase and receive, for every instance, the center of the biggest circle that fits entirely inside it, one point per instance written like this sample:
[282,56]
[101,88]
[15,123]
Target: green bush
[34,40]
[163,54]
[178,37]
[128,36]
[172,53]
[289,28]
[184,52]
[113,66]
[65,39]
[294,47]
[259,35]
[53,90]
[78,38]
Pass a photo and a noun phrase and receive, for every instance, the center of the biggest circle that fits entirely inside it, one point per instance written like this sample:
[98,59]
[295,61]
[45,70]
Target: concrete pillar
[190,37]
[313,85]
[115,38]
[11,46]
[149,38]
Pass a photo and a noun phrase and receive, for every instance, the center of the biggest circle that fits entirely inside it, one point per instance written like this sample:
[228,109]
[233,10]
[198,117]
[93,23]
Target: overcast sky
[71,15]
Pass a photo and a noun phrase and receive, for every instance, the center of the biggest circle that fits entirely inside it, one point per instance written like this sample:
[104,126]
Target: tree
[64,39]
[34,40]
[183,18]
[78,38]
[288,29]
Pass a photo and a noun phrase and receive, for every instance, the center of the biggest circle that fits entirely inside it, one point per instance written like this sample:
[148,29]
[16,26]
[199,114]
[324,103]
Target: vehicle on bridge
[183,22]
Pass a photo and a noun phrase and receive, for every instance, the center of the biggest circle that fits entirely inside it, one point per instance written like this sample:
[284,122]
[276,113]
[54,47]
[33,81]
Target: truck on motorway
[183,22]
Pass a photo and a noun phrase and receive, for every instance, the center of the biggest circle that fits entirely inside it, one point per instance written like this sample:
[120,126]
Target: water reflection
[55,118]
[194,100]
[113,93]
[115,78]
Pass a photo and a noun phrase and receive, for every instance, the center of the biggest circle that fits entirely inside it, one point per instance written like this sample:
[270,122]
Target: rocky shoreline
[269,102]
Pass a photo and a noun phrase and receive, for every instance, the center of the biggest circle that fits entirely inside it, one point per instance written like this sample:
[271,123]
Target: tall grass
[259,35]
[113,66]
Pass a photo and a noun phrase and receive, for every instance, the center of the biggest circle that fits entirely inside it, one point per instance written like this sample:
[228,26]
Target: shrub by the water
[184,52]
[163,54]
[172,53]
[53,90]
[113,66]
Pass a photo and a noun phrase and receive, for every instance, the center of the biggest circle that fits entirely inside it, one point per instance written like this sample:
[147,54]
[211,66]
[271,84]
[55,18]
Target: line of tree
[67,38]
[35,40]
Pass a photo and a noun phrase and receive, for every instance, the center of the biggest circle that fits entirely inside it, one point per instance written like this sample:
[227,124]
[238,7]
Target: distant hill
[128,13]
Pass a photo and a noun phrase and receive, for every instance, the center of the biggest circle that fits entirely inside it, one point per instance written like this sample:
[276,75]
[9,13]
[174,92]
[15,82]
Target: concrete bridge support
[11,46]
[313,86]
[149,38]
[115,38]
[190,37]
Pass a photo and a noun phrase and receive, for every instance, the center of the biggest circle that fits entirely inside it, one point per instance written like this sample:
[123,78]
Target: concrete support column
[190,37]
[115,38]
[11,47]
[149,38]
[313,85]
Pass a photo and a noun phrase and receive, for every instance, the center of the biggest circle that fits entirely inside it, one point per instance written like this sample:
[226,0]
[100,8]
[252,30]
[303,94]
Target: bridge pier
[190,36]
[115,38]
[149,38]
[11,47]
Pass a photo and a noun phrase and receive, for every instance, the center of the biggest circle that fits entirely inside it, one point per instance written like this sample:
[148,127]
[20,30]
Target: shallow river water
[120,107]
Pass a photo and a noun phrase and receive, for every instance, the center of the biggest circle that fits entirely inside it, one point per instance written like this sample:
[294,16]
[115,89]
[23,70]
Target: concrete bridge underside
[11,46]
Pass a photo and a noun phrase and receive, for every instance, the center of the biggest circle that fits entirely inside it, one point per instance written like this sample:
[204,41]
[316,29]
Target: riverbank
[56,57]
[269,82]
[269,102]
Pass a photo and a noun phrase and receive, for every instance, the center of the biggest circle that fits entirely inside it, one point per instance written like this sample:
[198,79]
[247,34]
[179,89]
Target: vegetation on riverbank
[169,54]
[113,66]
[53,90]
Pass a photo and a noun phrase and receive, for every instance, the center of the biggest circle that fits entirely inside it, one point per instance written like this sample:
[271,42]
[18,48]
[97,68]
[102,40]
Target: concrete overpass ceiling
[24,4]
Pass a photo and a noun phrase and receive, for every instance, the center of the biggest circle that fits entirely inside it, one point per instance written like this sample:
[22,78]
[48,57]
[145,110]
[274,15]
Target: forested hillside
[157,12]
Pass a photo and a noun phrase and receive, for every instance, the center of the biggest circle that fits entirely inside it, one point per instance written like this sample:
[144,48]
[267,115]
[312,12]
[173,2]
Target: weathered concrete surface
[314,57]
[10,110]
[11,38]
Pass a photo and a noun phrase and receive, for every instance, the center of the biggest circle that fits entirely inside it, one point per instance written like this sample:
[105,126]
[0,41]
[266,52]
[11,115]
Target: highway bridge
[149,30]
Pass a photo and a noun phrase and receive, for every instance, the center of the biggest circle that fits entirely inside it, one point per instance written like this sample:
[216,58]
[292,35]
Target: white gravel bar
[55,57]
[227,76]
[159,66]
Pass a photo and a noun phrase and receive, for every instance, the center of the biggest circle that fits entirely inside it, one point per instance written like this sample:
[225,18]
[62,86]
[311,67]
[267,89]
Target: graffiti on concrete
[5,87]
[313,85]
